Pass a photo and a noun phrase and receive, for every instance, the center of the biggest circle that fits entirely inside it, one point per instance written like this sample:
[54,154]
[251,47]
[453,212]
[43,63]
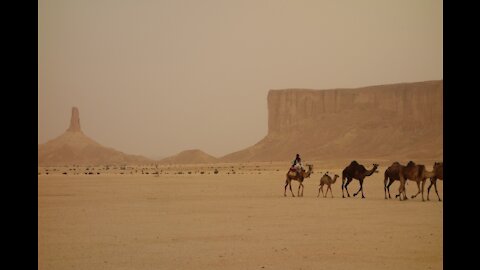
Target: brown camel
[436,174]
[293,175]
[392,174]
[356,171]
[414,173]
[327,180]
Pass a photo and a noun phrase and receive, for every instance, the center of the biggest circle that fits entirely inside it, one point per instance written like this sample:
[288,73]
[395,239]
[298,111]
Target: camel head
[310,170]
[375,166]
[335,178]
[438,167]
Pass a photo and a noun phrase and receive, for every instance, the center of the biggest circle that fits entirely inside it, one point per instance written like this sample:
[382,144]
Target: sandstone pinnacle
[75,121]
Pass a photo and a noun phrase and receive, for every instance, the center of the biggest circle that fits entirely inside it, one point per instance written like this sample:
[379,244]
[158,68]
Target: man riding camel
[297,164]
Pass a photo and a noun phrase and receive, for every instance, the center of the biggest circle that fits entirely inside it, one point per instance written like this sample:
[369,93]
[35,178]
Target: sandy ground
[231,221]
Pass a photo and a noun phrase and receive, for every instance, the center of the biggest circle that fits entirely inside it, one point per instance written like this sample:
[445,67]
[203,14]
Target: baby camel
[327,180]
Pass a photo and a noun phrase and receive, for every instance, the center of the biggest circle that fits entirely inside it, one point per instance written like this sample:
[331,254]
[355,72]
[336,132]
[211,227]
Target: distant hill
[73,147]
[394,122]
[190,157]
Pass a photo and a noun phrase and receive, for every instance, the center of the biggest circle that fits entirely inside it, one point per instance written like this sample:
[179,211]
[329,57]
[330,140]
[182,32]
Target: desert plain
[188,217]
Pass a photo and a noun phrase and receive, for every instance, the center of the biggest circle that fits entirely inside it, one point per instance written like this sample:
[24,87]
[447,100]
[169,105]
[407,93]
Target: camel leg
[428,190]
[405,197]
[418,192]
[435,184]
[290,185]
[346,185]
[359,189]
[330,187]
[320,188]
[405,194]
[388,188]
[385,186]
[355,194]
[429,187]
[423,188]
[343,183]
[298,191]
[361,184]
[286,184]
[303,187]
[404,191]
[401,189]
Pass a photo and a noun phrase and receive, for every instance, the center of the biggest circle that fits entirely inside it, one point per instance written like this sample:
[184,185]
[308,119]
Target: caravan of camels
[396,172]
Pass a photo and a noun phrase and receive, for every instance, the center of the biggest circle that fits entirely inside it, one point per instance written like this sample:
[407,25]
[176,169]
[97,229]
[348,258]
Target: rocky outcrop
[73,147]
[396,121]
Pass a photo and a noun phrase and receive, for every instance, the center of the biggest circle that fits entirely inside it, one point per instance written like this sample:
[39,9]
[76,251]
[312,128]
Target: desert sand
[236,219]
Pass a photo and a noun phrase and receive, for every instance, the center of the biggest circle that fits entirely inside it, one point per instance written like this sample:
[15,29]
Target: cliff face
[391,121]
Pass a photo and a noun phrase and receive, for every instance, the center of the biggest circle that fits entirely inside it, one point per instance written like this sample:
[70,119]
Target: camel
[356,171]
[327,180]
[293,175]
[415,173]
[392,174]
[436,174]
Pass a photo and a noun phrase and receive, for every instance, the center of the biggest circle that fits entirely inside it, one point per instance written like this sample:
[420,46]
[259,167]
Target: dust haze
[155,78]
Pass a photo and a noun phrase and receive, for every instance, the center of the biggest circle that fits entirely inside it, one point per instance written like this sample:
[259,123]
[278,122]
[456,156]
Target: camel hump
[354,163]
[410,164]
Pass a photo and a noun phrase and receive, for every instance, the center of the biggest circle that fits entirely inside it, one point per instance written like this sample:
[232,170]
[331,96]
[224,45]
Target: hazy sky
[159,77]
